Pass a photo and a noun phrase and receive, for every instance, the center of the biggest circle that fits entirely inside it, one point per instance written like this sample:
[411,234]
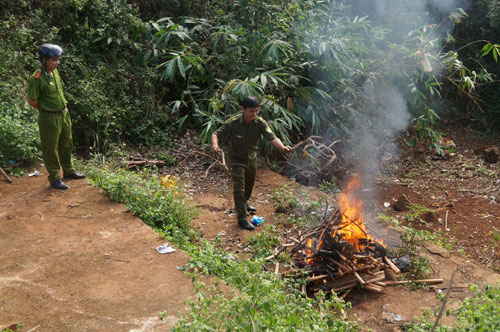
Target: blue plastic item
[256,220]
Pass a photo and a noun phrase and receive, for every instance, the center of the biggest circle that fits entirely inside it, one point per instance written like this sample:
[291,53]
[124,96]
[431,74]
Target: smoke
[385,112]
[375,129]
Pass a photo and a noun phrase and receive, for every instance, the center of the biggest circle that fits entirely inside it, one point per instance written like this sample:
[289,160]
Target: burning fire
[309,252]
[352,228]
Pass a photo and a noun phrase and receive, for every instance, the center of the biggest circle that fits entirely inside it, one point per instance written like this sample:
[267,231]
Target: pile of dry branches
[334,265]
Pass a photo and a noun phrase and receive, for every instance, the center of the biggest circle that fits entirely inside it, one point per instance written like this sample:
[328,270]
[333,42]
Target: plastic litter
[403,263]
[165,249]
[35,173]
[12,162]
[256,220]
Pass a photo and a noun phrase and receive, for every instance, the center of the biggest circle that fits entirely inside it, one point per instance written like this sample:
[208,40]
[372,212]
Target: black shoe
[59,185]
[246,225]
[75,176]
[251,209]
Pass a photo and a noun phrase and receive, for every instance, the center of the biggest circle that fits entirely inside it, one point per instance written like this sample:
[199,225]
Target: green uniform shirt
[244,138]
[48,90]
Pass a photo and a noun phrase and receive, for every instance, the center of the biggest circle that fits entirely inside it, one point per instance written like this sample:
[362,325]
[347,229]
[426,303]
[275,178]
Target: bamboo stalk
[318,277]
[349,286]
[391,265]
[361,281]
[345,294]
[418,281]
[374,288]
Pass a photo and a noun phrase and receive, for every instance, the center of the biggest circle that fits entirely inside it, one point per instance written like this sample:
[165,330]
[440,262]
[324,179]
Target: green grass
[480,313]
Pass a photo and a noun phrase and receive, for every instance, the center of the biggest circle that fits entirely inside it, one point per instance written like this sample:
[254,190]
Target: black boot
[75,176]
[59,185]
[251,209]
[246,225]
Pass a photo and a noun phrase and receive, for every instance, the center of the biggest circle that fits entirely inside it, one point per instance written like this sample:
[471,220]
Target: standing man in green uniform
[45,93]
[244,132]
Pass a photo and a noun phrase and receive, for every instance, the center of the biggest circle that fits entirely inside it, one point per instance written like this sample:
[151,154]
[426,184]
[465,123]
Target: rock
[401,204]
[437,250]
[491,153]
[391,317]
[430,217]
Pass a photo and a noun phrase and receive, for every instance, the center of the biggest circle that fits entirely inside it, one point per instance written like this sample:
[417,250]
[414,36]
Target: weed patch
[161,208]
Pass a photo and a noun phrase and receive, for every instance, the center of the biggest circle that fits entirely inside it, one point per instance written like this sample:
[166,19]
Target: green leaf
[170,69]
[180,65]
[263,80]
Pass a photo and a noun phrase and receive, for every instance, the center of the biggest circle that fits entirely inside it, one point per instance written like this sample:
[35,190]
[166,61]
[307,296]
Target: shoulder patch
[38,73]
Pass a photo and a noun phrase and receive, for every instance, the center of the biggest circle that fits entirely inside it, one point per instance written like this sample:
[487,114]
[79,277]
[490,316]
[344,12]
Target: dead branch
[5,175]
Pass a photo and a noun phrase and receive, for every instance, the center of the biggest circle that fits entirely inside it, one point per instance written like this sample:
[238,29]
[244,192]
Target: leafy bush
[263,302]
[19,138]
[144,195]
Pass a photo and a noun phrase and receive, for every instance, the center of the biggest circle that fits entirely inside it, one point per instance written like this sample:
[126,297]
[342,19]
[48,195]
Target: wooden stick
[5,175]
[418,281]
[319,277]
[444,300]
[361,281]
[375,280]
[374,288]
[349,286]
[345,293]
[446,222]
[277,268]
[275,255]
[391,265]
[224,161]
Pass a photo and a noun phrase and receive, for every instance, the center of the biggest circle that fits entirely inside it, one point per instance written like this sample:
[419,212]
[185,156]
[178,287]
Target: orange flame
[352,228]
[309,244]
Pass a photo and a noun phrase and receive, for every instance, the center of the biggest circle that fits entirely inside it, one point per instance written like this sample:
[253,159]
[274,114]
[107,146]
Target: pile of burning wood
[339,255]
[338,265]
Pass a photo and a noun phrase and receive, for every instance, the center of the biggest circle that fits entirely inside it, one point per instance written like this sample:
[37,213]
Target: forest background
[137,72]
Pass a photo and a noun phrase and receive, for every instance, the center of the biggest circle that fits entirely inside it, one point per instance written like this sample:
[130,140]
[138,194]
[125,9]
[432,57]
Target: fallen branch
[5,175]
[444,300]
[418,281]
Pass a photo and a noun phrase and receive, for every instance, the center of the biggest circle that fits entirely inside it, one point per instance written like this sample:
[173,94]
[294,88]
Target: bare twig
[444,300]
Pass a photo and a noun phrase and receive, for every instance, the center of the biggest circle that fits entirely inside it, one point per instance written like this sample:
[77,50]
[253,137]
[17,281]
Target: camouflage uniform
[243,143]
[54,122]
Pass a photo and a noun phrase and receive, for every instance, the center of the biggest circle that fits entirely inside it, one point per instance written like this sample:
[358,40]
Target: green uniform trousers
[243,176]
[57,143]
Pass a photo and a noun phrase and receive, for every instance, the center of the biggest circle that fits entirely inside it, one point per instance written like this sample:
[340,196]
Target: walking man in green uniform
[45,93]
[244,132]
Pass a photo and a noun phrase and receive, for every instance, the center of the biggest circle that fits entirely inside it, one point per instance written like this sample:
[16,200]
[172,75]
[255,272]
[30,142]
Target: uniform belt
[54,112]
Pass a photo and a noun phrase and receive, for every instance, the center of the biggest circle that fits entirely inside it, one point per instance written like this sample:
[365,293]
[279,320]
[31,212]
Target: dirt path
[76,261]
